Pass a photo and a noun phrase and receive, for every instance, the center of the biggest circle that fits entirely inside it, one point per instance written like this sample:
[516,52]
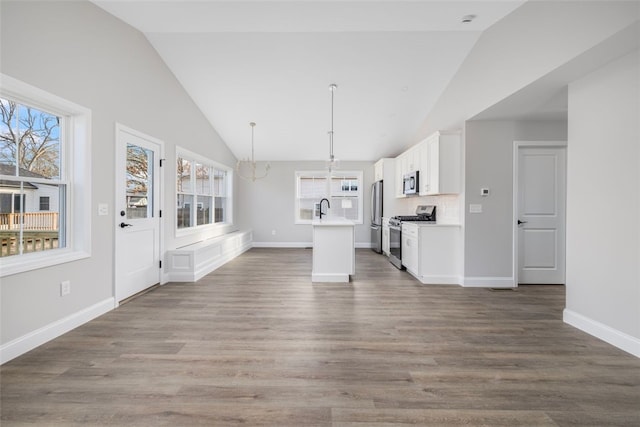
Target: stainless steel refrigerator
[376,216]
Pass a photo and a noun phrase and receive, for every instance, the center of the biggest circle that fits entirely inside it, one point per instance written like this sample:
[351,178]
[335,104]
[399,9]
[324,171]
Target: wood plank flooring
[255,343]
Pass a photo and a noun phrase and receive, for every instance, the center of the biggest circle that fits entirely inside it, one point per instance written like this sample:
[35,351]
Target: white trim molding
[601,331]
[75,175]
[329,278]
[302,245]
[28,342]
[359,245]
[436,280]
[489,282]
[192,262]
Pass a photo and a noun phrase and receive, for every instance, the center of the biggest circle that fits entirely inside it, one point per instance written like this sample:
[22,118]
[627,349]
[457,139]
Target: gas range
[397,220]
[425,213]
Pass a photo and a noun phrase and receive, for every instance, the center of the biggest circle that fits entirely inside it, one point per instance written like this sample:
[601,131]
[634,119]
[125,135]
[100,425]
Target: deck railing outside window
[45,221]
[40,231]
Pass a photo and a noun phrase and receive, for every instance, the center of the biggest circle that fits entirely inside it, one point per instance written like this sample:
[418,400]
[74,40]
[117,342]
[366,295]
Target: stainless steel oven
[424,213]
[395,242]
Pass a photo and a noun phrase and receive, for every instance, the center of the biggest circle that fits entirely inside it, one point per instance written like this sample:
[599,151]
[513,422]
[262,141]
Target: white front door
[540,213]
[137,212]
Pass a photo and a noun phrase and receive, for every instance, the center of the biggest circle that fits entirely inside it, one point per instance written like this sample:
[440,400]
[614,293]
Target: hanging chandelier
[247,169]
[332,163]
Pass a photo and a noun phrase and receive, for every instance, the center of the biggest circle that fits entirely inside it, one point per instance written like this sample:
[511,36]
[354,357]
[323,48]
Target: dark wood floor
[255,343]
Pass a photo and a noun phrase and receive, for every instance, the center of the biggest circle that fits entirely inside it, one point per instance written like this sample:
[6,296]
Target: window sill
[35,261]
[181,232]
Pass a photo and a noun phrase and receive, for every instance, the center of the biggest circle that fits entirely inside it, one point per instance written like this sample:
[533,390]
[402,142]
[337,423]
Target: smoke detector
[468,18]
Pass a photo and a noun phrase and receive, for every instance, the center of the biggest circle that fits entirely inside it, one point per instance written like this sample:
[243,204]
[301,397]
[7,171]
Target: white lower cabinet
[410,250]
[431,253]
[386,238]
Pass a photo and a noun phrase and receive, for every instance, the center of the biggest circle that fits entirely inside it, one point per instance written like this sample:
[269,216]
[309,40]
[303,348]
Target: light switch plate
[475,208]
[103,209]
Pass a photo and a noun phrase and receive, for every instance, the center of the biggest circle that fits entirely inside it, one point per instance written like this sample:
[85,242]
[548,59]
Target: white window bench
[192,262]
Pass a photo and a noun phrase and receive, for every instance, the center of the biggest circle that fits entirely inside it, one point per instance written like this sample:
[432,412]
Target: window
[44,203]
[202,191]
[342,188]
[41,189]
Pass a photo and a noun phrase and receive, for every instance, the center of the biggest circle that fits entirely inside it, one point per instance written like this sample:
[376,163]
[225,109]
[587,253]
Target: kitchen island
[334,253]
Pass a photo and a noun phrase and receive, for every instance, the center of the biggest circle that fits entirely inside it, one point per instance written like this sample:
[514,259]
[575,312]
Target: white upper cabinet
[440,164]
[409,161]
[400,165]
[437,158]
[378,170]
[412,159]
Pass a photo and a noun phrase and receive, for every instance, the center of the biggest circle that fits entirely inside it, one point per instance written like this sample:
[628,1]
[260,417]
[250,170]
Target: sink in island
[334,253]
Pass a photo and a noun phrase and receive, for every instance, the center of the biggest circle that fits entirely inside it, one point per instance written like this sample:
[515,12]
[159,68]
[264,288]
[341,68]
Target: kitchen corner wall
[269,204]
[488,243]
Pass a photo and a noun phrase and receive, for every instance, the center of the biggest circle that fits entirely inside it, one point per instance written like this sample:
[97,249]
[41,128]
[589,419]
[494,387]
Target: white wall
[527,44]
[488,243]
[77,51]
[269,204]
[603,203]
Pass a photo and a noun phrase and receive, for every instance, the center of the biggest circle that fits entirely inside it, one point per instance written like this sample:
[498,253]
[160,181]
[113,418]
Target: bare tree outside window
[30,140]
[139,171]
[30,153]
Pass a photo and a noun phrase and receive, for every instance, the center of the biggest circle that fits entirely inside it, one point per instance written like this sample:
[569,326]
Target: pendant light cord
[253,125]
[332,88]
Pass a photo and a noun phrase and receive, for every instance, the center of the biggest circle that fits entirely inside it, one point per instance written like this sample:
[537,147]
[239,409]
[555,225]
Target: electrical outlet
[475,208]
[273,232]
[103,209]
[65,288]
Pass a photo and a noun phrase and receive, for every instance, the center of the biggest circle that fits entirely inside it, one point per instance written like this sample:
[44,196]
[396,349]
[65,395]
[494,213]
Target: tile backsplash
[447,207]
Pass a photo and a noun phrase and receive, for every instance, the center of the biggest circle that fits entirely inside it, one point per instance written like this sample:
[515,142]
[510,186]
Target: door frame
[517,145]
[119,153]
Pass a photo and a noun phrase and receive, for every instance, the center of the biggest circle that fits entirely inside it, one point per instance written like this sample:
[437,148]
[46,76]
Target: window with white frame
[44,178]
[203,189]
[342,188]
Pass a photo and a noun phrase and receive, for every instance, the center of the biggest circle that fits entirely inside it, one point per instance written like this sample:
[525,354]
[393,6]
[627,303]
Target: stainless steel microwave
[410,183]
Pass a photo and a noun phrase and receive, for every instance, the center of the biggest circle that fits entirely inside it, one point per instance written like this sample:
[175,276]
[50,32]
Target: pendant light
[247,169]
[332,163]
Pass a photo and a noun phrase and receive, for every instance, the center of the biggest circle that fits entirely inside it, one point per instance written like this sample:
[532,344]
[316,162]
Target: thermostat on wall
[484,191]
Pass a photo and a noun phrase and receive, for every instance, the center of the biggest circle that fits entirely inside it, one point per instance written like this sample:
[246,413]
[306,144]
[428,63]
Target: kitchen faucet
[328,206]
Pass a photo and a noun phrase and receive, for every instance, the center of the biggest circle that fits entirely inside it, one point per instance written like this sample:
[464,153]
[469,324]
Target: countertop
[429,224]
[332,222]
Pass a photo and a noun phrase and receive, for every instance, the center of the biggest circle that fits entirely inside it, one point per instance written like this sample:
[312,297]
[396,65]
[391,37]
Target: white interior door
[137,212]
[540,215]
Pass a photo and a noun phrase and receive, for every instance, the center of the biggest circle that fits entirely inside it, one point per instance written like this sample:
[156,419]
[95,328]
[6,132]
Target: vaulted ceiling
[271,62]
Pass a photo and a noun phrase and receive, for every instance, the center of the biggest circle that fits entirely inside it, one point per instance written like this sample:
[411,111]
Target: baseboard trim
[601,331]
[439,280]
[360,245]
[488,282]
[329,277]
[28,342]
[282,244]
[364,245]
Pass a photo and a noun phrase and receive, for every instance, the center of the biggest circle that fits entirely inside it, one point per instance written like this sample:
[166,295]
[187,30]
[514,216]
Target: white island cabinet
[334,250]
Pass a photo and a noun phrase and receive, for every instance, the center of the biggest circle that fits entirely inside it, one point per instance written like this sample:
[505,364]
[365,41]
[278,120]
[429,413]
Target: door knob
[123,225]
[521,222]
